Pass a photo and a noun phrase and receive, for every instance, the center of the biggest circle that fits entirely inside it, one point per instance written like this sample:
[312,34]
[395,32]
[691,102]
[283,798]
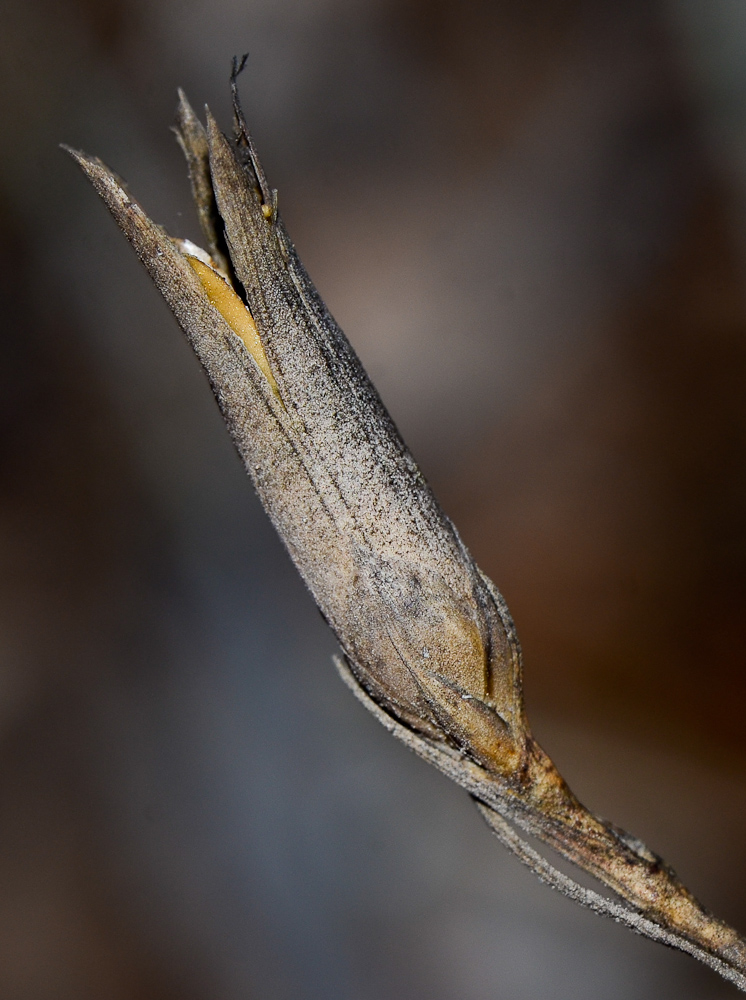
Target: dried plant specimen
[429,645]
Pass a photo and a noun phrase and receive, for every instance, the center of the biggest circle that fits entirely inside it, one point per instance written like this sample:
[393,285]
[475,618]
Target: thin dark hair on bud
[237,67]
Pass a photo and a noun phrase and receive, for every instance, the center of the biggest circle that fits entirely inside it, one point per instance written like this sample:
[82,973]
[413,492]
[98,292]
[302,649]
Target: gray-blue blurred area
[529,218]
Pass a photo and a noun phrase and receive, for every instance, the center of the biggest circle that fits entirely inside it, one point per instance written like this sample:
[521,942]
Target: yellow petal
[235,313]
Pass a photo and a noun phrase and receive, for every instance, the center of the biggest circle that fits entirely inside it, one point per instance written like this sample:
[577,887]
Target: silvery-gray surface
[157,691]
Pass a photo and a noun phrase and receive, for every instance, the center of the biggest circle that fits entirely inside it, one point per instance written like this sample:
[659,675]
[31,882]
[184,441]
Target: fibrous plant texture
[428,644]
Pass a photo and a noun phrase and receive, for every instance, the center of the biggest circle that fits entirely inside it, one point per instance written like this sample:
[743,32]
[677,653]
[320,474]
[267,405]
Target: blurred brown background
[530,218]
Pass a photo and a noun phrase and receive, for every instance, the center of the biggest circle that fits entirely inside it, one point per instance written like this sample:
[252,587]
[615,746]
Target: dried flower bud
[429,644]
